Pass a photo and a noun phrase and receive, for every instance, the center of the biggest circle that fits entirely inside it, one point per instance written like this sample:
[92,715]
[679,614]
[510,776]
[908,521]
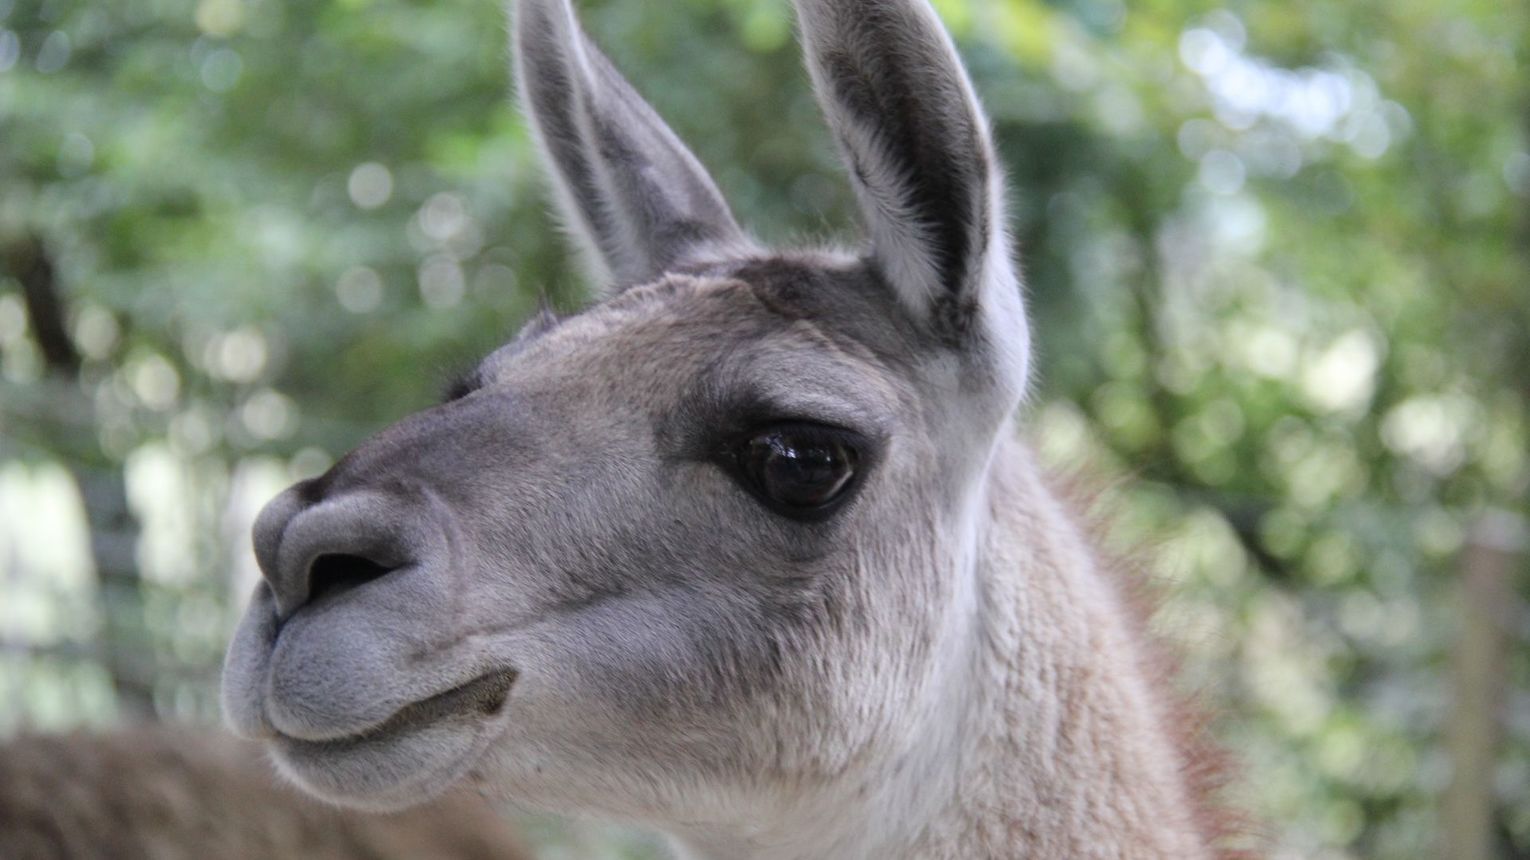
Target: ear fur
[637,199]
[919,153]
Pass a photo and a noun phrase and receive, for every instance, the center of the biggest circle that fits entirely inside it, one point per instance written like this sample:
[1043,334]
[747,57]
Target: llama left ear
[920,157]
[629,189]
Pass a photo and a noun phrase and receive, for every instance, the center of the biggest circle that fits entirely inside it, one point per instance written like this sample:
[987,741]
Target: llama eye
[800,471]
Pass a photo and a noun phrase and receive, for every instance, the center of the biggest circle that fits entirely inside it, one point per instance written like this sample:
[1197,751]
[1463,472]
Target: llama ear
[637,199]
[919,154]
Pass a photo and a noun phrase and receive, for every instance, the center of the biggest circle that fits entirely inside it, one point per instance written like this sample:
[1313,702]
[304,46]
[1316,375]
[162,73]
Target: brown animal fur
[1208,769]
[167,793]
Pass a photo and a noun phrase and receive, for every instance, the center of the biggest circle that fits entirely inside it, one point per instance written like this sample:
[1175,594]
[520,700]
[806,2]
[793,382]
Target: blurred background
[1277,254]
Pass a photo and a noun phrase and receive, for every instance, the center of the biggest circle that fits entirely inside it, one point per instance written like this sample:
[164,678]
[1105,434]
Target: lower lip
[481,698]
[416,752]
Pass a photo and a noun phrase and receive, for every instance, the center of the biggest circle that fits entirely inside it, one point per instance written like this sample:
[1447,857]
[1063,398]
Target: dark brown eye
[800,471]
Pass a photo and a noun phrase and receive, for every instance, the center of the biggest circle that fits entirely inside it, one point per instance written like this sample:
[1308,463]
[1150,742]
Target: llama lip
[481,697]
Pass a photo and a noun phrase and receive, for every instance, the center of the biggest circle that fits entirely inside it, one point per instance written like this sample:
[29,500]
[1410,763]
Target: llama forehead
[688,338]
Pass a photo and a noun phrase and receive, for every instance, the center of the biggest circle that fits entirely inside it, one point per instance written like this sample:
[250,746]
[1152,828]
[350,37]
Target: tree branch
[28,260]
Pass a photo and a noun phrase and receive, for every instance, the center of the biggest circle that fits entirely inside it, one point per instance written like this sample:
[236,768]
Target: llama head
[704,546]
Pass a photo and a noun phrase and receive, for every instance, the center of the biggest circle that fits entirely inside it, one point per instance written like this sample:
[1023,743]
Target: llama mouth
[481,698]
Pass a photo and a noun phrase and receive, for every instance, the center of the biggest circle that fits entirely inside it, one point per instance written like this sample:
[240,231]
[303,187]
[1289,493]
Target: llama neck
[1070,754]
[1043,740]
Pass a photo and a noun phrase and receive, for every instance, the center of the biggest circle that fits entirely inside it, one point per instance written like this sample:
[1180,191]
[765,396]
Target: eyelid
[753,410]
[826,413]
[779,420]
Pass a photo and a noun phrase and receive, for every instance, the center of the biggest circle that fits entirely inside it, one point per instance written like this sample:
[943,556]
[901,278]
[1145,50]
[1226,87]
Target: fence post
[1492,556]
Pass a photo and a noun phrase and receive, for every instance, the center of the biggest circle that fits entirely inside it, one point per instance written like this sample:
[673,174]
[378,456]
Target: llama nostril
[337,573]
[313,552]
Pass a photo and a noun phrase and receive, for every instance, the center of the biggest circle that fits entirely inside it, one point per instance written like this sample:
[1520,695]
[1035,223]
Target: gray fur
[914,676]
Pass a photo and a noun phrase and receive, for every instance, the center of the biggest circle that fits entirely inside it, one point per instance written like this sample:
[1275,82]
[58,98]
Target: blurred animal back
[180,793]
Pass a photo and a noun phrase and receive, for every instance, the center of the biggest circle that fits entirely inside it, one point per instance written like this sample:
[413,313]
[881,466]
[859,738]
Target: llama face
[690,551]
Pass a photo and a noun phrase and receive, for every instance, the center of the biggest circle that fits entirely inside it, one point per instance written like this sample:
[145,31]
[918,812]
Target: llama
[173,792]
[748,551]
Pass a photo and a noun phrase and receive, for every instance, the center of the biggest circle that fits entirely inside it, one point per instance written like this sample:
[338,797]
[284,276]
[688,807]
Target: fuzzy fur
[177,793]
[1209,771]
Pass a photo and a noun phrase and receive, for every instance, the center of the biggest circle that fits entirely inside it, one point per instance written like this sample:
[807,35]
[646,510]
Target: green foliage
[1276,255]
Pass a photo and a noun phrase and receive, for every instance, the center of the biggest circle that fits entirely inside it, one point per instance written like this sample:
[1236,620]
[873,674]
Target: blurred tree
[101,485]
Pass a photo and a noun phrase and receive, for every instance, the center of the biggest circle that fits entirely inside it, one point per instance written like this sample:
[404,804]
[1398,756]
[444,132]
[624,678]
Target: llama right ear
[638,200]
[921,161]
